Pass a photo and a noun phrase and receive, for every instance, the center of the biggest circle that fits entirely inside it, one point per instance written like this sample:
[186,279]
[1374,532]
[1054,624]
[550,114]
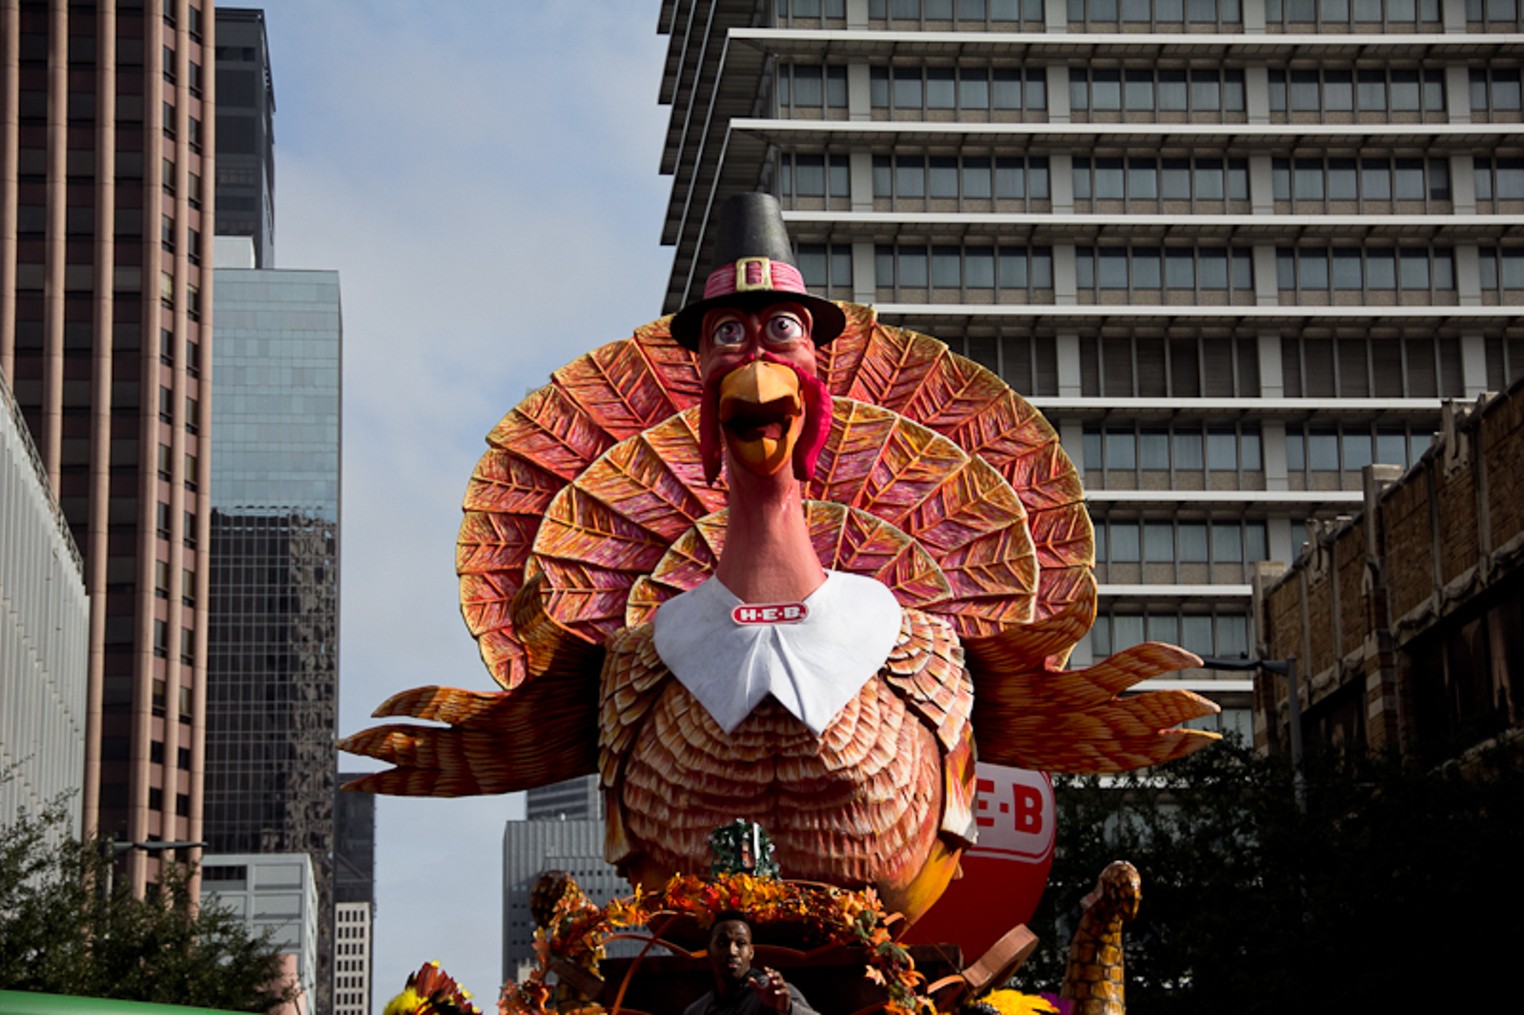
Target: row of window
[1501,268]
[1215,90]
[1185,542]
[1221,633]
[1136,366]
[1196,12]
[1372,368]
[809,89]
[1178,448]
[911,177]
[1372,90]
[1405,270]
[1138,268]
[1362,180]
[1009,269]
[1364,12]
[1300,181]
[1350,447]
[923,89]
[1151,179]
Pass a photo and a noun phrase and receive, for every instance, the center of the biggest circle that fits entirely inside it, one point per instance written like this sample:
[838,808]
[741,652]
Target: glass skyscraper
[274,617]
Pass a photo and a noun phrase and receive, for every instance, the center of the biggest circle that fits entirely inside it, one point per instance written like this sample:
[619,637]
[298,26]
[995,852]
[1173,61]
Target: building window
[189,533]
[1368,95]
[1502,274]
[1164,274]
[1119,457]
[940,92]
[187,588]
[1154,367]
[907,182]
[946,273]
[1028,363]
[166,459]
[161,578]
[999,15]
[1223,632]
[811,89]
[1172,94]
[1490,13]
[1496,94]
[1353,275]
[166,405]
[160,651]
[1499,181]
[1348,447]
[827,268]
[810,11]
[1150,184]
[1367,184]
[1369,15]
[1130,551]
[814,180]
[1505,361]
[1419,367]
[1226,13]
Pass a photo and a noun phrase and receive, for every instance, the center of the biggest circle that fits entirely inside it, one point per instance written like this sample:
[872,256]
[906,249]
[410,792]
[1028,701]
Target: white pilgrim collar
[813,666]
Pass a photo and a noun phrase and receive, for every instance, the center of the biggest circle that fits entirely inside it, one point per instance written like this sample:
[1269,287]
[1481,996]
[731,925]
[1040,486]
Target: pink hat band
[754,274]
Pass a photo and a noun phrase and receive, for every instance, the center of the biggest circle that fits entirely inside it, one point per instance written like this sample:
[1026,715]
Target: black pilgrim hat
[754,266]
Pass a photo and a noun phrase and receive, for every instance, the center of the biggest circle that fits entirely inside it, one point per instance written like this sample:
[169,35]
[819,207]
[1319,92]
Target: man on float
[740,989]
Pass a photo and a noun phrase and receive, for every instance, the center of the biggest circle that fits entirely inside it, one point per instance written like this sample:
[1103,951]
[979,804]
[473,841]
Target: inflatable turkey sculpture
[798,578]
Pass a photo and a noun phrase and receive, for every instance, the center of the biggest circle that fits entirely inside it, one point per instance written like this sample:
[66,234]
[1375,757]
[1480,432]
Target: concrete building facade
[1235,250]
[44,634]
[277,893]
[106,137]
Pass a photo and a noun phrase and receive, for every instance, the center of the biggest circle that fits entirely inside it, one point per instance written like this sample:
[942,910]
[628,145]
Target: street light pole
[1287,669]
[111,849]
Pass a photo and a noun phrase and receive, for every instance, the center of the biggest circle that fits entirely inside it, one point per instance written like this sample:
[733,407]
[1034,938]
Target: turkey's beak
[761,414]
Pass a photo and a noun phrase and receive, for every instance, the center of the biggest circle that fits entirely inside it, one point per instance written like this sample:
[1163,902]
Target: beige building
[1235,250]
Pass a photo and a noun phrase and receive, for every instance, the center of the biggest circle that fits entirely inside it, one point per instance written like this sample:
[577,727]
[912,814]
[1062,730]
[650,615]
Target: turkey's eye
[785,327]
[729,332]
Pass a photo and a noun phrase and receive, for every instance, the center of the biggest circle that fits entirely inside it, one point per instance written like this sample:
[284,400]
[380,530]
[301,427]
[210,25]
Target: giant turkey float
[785,579]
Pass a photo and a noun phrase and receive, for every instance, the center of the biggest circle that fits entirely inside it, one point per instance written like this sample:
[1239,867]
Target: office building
[354,894]
[245,132]
[44,634]
[1406,621]
[532,847]
[272,691]
[1235,250]
[574,798]
[274,893]
[105,138]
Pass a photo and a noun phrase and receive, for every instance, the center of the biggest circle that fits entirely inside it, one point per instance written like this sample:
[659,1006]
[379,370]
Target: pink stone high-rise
[106,202]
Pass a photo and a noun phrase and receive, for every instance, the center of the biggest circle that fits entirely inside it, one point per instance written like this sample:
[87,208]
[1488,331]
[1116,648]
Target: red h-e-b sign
[1005,873]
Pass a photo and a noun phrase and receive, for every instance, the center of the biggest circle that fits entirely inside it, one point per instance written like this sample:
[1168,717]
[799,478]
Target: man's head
[730,949]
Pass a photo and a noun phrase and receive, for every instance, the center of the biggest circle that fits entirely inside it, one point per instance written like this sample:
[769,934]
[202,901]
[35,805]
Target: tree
[1386,888]
[62,932]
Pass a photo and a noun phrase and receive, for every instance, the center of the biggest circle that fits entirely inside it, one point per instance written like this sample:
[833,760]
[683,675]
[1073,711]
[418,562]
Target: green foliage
[1391,889]
[60,932]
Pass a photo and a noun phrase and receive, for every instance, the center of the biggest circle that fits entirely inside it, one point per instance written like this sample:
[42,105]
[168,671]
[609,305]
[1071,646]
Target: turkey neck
[768,557]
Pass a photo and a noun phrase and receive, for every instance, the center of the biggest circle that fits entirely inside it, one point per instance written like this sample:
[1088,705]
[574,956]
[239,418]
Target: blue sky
[484,177]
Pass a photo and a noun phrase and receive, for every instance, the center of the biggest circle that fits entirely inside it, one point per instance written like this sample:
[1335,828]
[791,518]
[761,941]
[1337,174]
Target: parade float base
[833,978]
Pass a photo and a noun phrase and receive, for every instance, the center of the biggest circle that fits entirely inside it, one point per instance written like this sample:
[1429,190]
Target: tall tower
[1235,250]
[272,705]
[245,132]
[106,135]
